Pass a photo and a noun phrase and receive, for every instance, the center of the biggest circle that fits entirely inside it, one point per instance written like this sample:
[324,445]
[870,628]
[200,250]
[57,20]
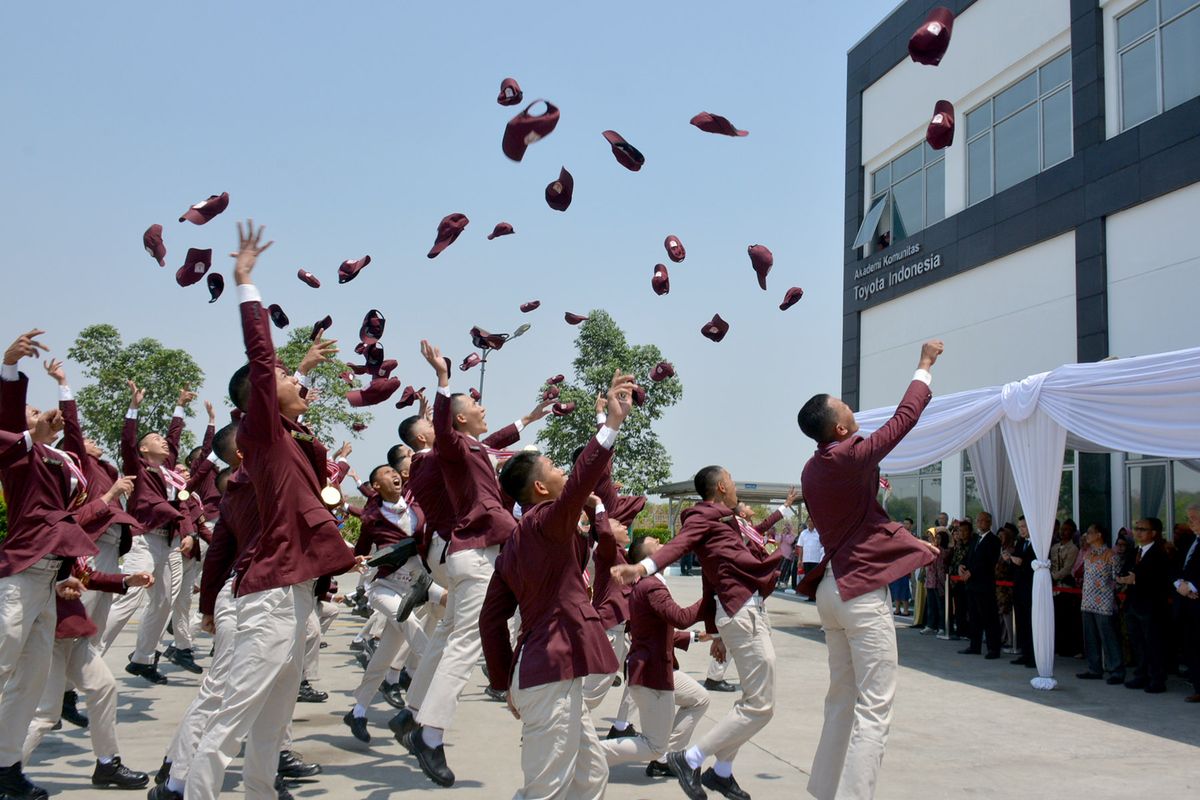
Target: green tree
[330,410]
[106,360]
[640,460]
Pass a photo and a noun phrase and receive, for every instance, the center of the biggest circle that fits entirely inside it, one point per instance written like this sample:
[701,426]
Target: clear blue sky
[352,128]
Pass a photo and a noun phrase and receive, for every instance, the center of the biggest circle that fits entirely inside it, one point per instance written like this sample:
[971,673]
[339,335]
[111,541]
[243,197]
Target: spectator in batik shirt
[1101,641]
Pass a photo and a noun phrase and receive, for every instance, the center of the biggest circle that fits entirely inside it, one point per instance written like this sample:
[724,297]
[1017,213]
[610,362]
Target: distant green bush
[3,518]
[351,528]
[660,532]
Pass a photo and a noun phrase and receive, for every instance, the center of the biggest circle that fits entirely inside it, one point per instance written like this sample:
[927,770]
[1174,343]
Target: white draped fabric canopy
[1016,435]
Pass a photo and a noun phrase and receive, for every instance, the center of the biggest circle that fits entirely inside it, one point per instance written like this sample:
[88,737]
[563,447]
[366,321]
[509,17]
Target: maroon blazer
[609,597]
[540,570]
[377,531]
[427,485]
[731,569]
[653,618]
[841,488]
[100,476]
[37,487]
[203,482]
[73,621]
[236,529]
[299,540]
[148,502]
[482,520]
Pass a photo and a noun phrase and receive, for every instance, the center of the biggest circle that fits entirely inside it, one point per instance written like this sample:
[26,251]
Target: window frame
[1155,35]
[1039,101]
[930,158]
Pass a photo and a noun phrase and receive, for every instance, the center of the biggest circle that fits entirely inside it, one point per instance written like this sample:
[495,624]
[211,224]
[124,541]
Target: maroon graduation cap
[715,123]
[278,317]
[501,229]
[205,210]
[475,395]
[762,261]
[195,266]
[216,285]
[574,319]
[532,305]
[715,329]
[639,395]
[551,393]
[349,270]
[791,298]
[448,230]
[358,427]
[152,240]
[510,93]
[675,250]
[560,192]
[940,132]
[487,341]
[930,41]
[379,390]
[660,281]
[308,278]
[409,396]
[562,409]
[324,324]
[472,360]
[626,154]
[524,129]
[556,379]
[662,370]
[372,327]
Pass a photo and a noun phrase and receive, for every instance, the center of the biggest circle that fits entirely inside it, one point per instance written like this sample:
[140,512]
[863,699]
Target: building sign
[892,270]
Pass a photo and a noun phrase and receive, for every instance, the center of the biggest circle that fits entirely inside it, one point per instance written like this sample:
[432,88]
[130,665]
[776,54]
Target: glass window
[1056,127]
[1158,57]
[1016,151]
[979,169]
[902,501]
[1186,488]
[1022,130]
[909,193]
[973,501]
[1148,492]
[1066,496]
[1181,59]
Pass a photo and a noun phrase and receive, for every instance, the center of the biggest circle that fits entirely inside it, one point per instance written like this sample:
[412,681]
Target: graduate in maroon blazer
[298,542]
[864,552]
[43,488]
[562,639]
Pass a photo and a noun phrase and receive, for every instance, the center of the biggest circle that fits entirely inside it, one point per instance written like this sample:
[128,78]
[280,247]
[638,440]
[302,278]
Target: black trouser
[1023,605]
[1191,640]
[959,611]
[1146,638]
[985,616]
[1068,625]
[787,573]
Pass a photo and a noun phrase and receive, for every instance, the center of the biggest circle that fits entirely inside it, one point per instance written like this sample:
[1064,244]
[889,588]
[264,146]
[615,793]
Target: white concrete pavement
[964,727]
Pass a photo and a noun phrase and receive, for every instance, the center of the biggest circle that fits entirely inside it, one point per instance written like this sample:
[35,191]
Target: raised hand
[70,589]
[601,403]
[250,247]
[343,451]
[212,414]
[717,650]
[620,398]
[139,579]
[25,346]
[626,574]
[434,356]
[186,396]
[136,395]
[320,351]
[792,496]
[48,425]
[930,352]
[423,409]
[122,487]
[54,368]
[539,411]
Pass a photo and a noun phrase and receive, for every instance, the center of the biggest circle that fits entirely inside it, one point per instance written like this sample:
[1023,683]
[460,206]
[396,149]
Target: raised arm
[261,420]
[72,432]
[665,607]
[13,384]
[875,447]
[499,605]
[510,434]
[452,446]
[131,461]
[175,429]
[218,561]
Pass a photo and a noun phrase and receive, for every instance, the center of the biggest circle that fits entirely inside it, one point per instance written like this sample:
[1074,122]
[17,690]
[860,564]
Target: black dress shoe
[402,723]
[418,595]
[657,769]
[1137,683]
[689,779]
[431,759]
[363,657]
[358,726]
[71,713]
[115,775]
[1088,676]
[15,786]
[495,694]
[616,680]
[308,694]
[357,645]
[292,765]
[992,655]
[405,680]
[163,773]
[719,686]
[615,733]
[161,792]
[323,645]
[391,693]
[726,786]
[1021,661]
[970,651]
[281,790]
[148,671]
[183,659]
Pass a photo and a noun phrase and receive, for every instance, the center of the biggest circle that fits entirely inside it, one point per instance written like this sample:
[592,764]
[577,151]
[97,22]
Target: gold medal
[183,495]
[331,496]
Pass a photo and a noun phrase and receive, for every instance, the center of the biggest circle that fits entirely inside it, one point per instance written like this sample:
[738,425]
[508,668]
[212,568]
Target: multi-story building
[1057,228]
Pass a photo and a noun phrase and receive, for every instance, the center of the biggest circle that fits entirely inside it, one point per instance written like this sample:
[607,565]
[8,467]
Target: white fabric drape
[993,478]
[1147,404]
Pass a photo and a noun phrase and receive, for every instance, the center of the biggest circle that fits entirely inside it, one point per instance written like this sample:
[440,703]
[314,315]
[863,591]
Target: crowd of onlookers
[1127,605]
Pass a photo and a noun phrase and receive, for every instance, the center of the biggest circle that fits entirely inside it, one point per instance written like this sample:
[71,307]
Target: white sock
[393,676]
[661,760]
[432,736]
[694,757]
[175,785]
[723,768]
[359,712]
[621,725]
[105,761]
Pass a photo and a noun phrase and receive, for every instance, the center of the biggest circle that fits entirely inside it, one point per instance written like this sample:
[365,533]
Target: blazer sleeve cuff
[924,376]
[648,565]
[606,437]
[248,293]
[10,372]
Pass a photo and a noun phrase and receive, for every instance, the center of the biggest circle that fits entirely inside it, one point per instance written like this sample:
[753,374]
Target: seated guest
[1100,643]
[1147,587]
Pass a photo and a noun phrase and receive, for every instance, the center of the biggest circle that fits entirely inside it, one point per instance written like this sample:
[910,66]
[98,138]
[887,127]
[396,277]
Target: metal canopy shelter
[676,494]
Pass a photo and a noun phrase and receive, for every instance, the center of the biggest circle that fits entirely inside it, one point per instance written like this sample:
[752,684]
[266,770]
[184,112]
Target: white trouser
[27,618]
[158,608]
[188,571]
[207,702]
[717,669]
[326,613]
[124,607]
[98,604]
[260,694]
[560,752]
[860,636]
[386,596]
[469,572]
[668,721]
[436,645]
[747,639]
[78,661]
[318,623]
[595,687]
